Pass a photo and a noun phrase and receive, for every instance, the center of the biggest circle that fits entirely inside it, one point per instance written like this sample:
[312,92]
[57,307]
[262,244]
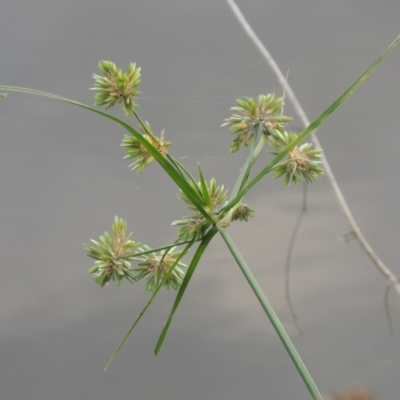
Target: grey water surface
[63,178]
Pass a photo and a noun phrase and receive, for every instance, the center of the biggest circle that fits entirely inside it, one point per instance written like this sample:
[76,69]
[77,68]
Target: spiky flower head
[216,194]
[117,87]
[157,267]
[303,161]
[135,149]
[243,212]
[192,227]
[195,226]
[112,254]
[250,115]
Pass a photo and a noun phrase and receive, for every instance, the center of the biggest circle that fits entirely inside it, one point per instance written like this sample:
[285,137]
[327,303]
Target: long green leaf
[318,121]
[204,189]
[189,273]
[169,168]
[280,330]
[155,250]
[121,345]
[179,167]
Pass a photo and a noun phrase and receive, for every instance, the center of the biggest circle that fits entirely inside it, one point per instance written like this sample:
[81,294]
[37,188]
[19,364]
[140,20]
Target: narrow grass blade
[155,250]
[280,330]
[169,168]
[179,167]
[318,121]
[189,273]
[244,175]
[204,189]
[113,357]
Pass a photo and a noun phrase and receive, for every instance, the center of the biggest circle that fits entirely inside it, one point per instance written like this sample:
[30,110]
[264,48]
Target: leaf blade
[189,273]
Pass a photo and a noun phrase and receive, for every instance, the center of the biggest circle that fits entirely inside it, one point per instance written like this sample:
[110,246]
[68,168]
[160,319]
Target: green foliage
[212,194]
[195,226]
[254,124]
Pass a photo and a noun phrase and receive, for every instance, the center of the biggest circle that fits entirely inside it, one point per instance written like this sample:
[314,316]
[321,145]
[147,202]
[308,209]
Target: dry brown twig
[392,279]
[353,393]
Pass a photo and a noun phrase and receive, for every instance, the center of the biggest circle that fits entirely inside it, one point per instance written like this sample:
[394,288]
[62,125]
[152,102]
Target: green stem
[225,216]
[155,250]
[144,126]
[280,330]
[245,172]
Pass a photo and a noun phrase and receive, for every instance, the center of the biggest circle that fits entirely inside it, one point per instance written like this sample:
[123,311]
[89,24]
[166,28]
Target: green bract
[212,194]
[195,226]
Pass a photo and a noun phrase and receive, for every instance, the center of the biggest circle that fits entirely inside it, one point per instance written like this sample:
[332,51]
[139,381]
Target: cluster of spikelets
[251,115]
[195,225]
[117,87]
[250,118]
[264,117]
[136,151]
[114,253]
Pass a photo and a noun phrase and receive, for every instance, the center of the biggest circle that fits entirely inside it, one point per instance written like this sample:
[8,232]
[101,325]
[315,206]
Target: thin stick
[391,277]
[387,309]
[289,258]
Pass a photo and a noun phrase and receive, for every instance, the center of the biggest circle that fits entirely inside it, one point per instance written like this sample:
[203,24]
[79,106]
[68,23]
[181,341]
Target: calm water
[62,180]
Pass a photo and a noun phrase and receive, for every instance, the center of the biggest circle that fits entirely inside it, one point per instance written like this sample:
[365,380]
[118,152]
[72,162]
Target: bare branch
[289,259]
[387,309]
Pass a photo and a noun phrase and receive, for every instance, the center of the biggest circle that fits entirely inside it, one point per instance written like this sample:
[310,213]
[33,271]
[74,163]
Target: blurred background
[63,178]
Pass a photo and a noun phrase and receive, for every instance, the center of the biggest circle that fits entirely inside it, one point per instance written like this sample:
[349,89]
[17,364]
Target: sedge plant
[255,125]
